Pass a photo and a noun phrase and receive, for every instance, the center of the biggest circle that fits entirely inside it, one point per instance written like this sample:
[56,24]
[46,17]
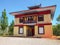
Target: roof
[52,8]
[35,7]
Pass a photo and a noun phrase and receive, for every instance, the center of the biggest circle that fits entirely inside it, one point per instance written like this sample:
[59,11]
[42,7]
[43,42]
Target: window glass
[21,30]
[41,30]
[40,18]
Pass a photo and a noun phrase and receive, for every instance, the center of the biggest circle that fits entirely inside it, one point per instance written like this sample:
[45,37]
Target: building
[35,22]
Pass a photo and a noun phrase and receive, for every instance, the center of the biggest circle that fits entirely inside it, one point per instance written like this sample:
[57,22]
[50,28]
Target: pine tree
[4,21]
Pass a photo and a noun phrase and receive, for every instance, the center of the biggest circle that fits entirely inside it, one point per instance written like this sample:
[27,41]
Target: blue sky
[18,5]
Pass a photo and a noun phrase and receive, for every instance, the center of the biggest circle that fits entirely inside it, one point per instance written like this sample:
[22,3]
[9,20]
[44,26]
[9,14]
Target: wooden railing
[30,21]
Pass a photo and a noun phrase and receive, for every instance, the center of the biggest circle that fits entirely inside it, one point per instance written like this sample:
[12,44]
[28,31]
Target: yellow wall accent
[16,31]
[48,30]
[36,30]
[25,18]
[25,30]
[16,21]
[35,17]
[47,18]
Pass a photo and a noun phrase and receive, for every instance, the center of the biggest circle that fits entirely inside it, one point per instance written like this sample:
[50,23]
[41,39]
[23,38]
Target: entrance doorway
[30,31]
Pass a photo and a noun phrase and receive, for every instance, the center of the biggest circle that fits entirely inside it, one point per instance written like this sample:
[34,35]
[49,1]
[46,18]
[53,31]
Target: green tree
[11,27]
[0,23]
[56,30]
[4,21]
[58,19]
[58,26]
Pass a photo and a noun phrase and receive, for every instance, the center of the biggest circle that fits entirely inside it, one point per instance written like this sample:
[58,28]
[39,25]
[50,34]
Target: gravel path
[27,41]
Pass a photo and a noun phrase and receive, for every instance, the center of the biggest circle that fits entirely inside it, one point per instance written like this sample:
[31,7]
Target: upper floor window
[40,18]
[30,18]
[21,19]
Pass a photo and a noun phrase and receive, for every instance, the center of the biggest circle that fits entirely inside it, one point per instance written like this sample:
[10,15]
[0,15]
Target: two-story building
[35,22]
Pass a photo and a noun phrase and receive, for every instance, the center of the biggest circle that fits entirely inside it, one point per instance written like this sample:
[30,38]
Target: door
[30,31]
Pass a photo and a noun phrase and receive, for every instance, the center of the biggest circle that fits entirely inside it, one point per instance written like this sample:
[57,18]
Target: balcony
[30,22]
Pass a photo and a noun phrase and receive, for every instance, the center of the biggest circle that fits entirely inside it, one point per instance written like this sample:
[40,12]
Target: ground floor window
[41,30]
[21,31]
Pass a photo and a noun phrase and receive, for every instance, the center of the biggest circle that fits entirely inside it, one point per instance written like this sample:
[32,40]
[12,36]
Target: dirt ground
[27,41]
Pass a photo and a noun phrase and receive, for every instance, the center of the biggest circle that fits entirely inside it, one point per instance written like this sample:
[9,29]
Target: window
[21,30]
[41,30]
[40,18]
[21,19]
[30,18]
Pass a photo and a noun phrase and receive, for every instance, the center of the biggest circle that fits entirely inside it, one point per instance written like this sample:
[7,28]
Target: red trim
[49,6]
[44,24]
[36,24]
[19,25]
[37,13]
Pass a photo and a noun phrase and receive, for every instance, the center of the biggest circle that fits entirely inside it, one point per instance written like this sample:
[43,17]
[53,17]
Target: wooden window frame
[22,31]
[22,19]
[42,18]
[43,30]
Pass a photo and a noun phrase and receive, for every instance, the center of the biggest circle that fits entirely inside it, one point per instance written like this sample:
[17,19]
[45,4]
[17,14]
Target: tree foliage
[4,21]
[0,22]
[56,28]
[58,19]
[11,28]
